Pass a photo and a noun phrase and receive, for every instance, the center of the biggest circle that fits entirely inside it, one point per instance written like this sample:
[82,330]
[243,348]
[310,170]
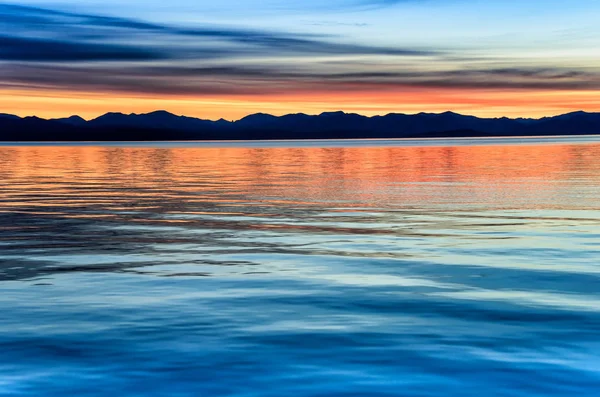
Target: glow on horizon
[235,58]
[531,104]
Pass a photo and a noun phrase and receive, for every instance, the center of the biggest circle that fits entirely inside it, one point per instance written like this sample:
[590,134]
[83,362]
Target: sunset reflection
[147,177]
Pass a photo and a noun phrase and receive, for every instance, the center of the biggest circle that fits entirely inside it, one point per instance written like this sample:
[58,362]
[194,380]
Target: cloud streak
[43,50]
[65,36]
[281,79]
[56,50]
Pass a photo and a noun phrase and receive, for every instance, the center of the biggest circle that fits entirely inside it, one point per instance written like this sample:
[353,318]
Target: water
[442,268]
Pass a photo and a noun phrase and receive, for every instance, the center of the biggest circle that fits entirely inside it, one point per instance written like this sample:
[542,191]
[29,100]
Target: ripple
[420,270]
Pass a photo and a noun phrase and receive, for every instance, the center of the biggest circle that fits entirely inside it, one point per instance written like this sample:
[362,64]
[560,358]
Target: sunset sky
[226,59]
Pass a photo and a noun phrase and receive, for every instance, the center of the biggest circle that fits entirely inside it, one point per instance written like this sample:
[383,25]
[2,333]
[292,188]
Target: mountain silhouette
[162,125]
[73,120]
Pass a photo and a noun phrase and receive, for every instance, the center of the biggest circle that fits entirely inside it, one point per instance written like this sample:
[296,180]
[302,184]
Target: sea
[429,268]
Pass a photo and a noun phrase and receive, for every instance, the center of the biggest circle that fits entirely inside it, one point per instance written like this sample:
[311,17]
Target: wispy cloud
[283,78]
[45,50]
[382,3]
[65,36]
[55,50]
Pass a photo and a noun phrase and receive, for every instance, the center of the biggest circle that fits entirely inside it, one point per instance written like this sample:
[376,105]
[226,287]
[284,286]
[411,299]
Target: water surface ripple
[287,270]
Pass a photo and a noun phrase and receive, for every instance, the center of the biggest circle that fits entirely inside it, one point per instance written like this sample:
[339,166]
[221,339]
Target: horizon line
[298,113]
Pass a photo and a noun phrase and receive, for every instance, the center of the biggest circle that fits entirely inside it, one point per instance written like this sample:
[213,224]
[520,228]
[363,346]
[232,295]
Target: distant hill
[162,125]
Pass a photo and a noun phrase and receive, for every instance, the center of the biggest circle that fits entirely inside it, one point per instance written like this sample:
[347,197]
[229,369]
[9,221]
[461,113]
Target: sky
[227,59]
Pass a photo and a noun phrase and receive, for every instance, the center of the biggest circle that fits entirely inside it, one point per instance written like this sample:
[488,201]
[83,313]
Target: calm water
[449,269]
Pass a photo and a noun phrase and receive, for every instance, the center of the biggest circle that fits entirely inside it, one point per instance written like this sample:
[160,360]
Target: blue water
[356,269]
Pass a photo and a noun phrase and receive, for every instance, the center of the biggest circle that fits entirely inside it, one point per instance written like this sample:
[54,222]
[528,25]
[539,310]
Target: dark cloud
[32,49]
[47,49]
[270,79]
[92,36]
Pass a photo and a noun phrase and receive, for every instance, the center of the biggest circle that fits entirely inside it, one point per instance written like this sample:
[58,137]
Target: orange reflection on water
[146,177]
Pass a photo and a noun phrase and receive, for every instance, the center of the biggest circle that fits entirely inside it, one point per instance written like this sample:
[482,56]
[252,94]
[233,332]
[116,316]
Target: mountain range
[162,125]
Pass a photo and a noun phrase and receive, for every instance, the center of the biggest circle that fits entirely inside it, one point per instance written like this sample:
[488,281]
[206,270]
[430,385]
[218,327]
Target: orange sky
[485,103]
[484,58]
